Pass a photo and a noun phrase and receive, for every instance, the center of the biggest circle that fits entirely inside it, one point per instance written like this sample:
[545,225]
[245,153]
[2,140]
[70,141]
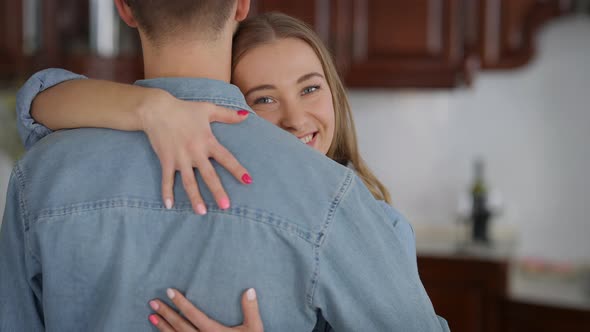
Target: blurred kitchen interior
[434,85]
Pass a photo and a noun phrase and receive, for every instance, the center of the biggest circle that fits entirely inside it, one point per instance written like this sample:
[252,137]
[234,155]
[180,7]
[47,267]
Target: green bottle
[480,212]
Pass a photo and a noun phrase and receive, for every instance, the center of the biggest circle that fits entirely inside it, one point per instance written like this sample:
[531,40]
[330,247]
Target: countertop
[568,289]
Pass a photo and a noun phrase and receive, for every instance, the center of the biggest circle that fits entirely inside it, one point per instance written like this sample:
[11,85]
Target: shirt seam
[20,179]
[220,101]
[344,189]
[256,215]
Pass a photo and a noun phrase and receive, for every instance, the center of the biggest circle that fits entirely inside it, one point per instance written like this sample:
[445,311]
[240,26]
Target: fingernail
[243,113]
[168,203]
[224,203]
[201,209]
[170,293]
[154,320]
[251,294]
[154,305]
[246,178]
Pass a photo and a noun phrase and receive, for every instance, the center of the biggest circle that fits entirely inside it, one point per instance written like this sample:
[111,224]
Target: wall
[532,127]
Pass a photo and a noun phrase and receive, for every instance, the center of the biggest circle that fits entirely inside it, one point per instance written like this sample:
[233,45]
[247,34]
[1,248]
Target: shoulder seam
[344,188]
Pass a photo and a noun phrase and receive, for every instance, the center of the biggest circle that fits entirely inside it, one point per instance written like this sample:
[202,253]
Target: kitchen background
[434,85]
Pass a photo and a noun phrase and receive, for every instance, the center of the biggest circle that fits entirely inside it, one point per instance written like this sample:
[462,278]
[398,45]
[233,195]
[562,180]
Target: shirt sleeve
[366,279]
[20,303]
[30,131]
[404,230]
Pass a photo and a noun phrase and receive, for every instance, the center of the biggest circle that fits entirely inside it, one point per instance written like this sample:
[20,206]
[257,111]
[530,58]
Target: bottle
[480,211]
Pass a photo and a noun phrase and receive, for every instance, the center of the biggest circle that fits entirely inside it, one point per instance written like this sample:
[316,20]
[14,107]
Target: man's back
[100,244]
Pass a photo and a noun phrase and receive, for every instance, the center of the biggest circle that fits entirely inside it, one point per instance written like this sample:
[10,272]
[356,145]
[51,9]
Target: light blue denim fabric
[86,241]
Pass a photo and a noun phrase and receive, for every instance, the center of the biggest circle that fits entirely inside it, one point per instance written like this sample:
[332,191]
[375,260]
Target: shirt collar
[200,89]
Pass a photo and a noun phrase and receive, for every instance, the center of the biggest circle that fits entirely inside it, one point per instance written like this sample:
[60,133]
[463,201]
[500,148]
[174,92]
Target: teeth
[306,139]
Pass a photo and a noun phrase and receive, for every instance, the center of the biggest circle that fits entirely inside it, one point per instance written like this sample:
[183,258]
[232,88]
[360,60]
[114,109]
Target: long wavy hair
[269,27]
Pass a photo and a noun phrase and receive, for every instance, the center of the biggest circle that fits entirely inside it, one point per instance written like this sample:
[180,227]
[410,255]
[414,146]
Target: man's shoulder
[289,176]
[87,165]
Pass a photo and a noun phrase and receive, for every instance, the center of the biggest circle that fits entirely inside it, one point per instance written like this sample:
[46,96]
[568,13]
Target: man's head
[185,38]
[168,20]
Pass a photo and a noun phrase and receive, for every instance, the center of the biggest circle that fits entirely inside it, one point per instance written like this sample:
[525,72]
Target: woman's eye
[310,89]
[263,100]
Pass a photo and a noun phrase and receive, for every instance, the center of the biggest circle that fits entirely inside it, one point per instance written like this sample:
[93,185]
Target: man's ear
[126,13]
[242,10]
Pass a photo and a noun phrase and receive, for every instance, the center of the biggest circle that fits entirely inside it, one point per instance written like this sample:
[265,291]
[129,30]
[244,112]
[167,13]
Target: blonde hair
[269,27]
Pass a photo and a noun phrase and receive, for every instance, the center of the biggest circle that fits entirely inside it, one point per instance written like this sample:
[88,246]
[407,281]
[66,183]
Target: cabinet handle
[31,26]
[104,28]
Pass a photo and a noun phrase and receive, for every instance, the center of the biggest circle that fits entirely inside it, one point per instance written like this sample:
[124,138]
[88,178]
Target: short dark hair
[160,18]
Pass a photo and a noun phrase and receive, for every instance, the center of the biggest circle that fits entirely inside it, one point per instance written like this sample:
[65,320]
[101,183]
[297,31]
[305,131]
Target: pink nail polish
[243,113]
[224,203]
[154,305]
[246,178]
[154,320]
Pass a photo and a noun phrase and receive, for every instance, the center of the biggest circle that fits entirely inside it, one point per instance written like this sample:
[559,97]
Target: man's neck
[197,59]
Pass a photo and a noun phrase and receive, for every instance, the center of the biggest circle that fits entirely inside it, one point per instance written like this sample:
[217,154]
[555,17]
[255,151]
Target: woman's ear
[126,13]
[242,10]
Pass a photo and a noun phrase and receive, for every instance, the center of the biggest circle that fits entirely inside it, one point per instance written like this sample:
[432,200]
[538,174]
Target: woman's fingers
[224,115]
[192,189]
[168,319]
[229,162]
[252,320]
[196,320]
[168,173]
[212,181]
[184,141]
[160,323]
[194,315]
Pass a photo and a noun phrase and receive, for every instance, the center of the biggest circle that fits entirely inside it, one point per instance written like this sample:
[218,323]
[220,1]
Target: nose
[293,117]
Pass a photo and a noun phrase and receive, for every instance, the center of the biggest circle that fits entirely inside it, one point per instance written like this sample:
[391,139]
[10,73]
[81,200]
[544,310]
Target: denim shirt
[86,241]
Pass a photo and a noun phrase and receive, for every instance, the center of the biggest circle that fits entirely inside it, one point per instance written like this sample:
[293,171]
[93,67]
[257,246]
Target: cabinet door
[8,43]
[467,292]
[508,29]
[392,43]
[316,13]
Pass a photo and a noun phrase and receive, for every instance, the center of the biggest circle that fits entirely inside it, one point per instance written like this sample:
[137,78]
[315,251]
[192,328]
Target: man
[86,242]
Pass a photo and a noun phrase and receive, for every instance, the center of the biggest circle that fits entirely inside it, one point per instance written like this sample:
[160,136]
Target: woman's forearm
[94,103]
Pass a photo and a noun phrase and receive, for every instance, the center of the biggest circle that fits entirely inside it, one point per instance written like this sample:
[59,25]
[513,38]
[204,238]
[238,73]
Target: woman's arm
[30,131]
[94,103]
[179,131]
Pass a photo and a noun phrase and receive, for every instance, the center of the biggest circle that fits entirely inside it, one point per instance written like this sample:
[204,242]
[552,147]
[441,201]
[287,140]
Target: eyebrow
[309,76]
[272,87]
[258,88]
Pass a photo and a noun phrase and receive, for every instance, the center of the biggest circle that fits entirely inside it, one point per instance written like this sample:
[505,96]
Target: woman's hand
[167,320]
[180,134]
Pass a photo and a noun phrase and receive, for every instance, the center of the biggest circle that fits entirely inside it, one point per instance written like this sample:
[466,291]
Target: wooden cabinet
[376,43]
[477,294]
[422,43]
[393,43]
[38,34]
[528,317]
[507,29]
[317,13]
[467,292]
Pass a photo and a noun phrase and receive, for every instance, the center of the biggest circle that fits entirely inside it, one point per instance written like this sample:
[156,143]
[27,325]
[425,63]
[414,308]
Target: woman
[287,77]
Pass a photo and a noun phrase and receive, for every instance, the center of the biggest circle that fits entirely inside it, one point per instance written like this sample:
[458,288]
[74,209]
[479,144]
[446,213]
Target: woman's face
[284,83]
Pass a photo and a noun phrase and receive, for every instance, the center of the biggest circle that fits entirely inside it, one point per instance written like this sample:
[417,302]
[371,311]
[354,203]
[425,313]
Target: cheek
[272,117]
[327,116]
